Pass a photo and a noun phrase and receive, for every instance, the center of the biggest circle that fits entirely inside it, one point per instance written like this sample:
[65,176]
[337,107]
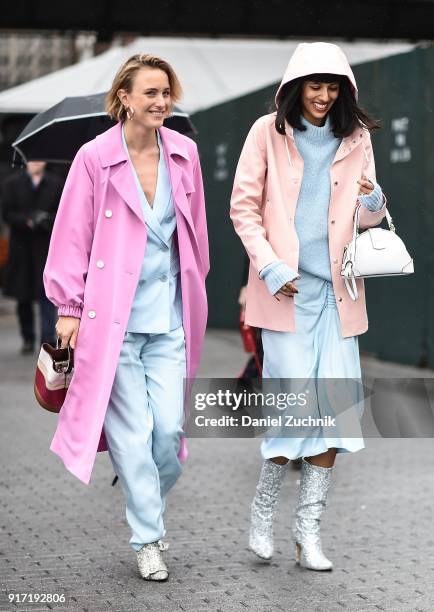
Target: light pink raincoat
[265,194]
[100,220]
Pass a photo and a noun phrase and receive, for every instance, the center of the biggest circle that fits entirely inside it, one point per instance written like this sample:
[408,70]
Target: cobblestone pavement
[59,536]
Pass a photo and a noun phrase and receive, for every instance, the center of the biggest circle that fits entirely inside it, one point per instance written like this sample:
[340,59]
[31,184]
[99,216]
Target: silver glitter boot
[150,561]
[314,484]
[262,509]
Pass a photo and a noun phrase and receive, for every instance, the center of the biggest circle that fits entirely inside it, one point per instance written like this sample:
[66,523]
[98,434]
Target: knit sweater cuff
[276,274]
[372,201]
[70,311]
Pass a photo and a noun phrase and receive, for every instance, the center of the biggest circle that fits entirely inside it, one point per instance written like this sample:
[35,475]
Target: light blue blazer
[157,304]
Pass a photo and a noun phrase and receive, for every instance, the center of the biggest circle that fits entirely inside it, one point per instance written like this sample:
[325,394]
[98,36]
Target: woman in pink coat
[126,268]
[301,173]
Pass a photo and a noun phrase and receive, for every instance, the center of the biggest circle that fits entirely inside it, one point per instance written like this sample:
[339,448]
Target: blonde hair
[125,77]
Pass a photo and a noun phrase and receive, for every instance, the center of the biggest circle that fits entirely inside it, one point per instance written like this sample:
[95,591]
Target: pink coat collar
[111,151]
[347,145]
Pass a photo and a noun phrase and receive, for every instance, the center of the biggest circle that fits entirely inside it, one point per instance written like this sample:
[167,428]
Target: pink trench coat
[264,198]
[100,218]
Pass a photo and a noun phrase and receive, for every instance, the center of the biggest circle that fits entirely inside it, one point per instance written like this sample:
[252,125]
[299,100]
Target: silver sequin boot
[314,484]
[262,509]
[150,561]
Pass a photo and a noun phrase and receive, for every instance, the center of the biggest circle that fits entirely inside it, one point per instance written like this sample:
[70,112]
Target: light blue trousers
[316,350]
[143,425]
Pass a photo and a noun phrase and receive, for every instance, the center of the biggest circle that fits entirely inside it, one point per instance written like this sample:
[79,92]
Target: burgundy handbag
[248,334]
[53,374]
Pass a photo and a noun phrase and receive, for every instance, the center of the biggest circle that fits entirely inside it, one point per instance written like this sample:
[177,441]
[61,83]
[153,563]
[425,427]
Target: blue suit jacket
[157,304]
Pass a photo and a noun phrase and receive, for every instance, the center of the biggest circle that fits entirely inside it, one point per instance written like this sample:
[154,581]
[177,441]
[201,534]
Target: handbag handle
[357,214]
[352,288]
[352,245]
[62,366]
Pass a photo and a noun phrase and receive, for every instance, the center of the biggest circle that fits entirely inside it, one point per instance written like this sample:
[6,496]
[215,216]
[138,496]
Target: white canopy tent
[212,71]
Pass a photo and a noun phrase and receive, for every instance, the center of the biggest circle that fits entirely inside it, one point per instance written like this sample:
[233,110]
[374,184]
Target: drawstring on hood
[317,58]
[287,152]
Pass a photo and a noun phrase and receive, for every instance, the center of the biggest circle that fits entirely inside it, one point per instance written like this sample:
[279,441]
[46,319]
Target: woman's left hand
[366,186]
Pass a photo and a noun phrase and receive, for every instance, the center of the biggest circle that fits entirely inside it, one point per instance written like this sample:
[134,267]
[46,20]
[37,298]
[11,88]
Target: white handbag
[374,252]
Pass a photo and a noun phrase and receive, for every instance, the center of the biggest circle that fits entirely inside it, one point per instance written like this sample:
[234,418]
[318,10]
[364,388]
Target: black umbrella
[56,134]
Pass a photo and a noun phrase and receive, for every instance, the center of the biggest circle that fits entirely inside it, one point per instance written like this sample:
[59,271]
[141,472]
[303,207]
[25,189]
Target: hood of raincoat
[314,58]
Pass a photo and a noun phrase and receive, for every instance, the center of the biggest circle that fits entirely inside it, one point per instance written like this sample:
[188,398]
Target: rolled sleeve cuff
[276,274]
[70,311]
[372,201]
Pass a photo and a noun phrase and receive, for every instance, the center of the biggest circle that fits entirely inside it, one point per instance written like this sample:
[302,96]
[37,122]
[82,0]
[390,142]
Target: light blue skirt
[316,352]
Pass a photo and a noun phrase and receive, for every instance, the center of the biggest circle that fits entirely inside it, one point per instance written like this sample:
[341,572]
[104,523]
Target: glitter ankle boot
[262,509]
[150,562]
[314,485]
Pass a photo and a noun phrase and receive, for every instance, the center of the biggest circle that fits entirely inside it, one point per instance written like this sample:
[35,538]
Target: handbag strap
[352,289]
[353,243]
[357,215]
[350,281]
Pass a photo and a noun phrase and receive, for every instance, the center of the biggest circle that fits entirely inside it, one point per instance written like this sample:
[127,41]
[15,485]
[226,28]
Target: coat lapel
[124,183]
[175,152]
[111,152]
[152,221]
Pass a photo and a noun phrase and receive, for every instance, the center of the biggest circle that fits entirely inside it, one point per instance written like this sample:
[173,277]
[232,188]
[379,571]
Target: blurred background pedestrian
[29,200]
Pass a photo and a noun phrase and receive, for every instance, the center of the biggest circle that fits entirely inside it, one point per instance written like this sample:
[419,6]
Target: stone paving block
[57,535]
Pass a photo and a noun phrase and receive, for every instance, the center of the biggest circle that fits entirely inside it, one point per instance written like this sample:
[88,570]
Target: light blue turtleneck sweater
[317,146]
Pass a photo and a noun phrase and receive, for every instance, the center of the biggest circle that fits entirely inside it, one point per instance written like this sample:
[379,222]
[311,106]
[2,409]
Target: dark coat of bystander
[28,246]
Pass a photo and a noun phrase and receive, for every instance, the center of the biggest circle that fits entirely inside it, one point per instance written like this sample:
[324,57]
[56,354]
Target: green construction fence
[398,90]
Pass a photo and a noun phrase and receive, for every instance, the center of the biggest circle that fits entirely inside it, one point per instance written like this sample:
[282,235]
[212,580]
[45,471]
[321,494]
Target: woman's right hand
[67,331]
[288,290]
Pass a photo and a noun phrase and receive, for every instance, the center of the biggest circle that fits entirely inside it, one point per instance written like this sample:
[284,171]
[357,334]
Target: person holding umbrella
[302,172]
[126,268]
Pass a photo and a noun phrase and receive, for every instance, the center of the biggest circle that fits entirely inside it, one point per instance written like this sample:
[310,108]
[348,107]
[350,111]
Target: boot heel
[297,554]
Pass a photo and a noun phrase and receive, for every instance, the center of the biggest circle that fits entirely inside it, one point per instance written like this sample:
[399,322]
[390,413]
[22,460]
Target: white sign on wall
[400,151]
[221,170]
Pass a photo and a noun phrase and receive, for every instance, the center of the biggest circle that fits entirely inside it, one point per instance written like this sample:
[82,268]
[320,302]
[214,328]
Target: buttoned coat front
[92,270]
[264,198]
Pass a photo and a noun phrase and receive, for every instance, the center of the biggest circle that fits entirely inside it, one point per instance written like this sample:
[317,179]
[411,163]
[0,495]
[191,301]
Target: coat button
[336,183]
[163,278]
[333,221]
[335,261]
[100,263]
[339,299]
[91,314]
[108,213]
